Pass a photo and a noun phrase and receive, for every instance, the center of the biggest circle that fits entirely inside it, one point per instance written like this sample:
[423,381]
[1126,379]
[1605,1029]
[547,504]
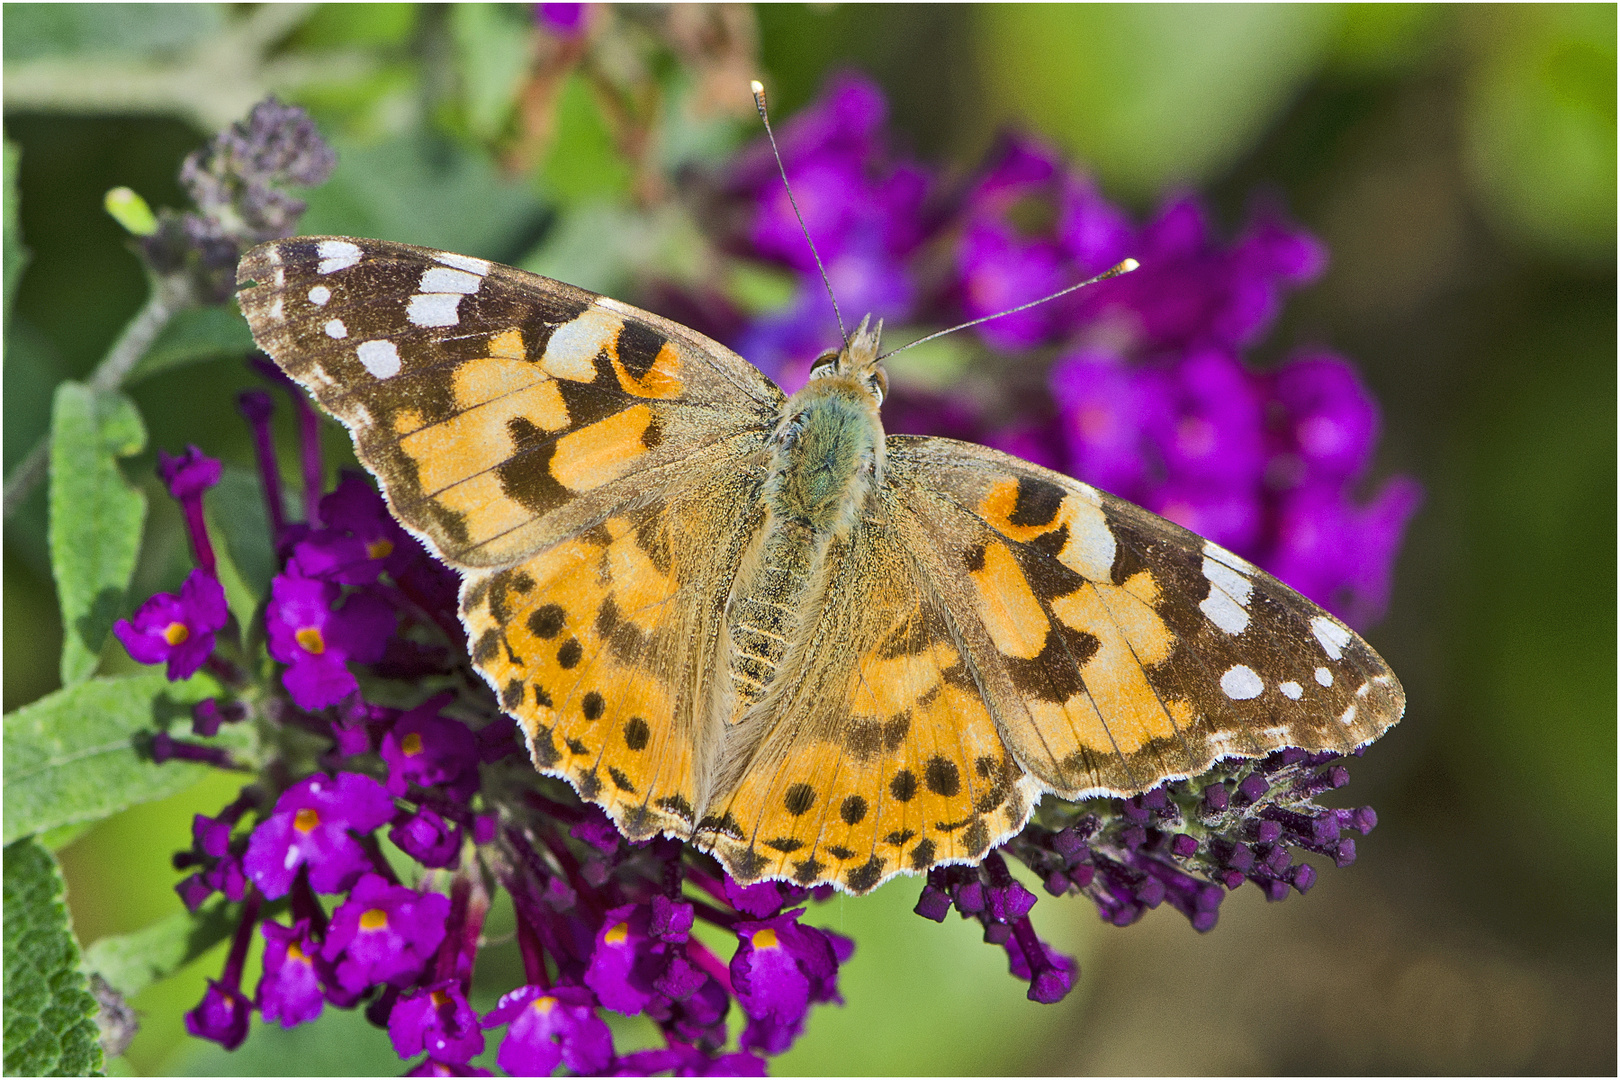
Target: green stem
[167,298]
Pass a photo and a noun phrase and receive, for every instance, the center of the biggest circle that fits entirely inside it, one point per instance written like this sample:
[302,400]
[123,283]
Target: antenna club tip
[756,87]
[1127,266]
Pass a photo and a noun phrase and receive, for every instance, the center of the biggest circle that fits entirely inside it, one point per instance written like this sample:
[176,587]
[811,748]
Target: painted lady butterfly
[757,623]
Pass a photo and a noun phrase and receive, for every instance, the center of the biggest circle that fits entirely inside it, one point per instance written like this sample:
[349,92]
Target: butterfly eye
[825,364]
[879,384]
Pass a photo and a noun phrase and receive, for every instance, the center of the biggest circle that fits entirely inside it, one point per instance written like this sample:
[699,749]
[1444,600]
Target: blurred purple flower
[222,1016]
[290,991]
[428,838]
[425,748]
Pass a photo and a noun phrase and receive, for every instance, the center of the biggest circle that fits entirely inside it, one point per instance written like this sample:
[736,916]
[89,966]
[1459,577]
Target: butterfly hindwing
[501,411]
[878,754]
[1117,649]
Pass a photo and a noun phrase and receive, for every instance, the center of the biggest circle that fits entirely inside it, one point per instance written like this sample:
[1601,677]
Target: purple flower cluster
[1143,389]
[360,614]
[237,183]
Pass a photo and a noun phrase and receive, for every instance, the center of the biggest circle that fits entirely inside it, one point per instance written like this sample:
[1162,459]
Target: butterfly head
[857,361]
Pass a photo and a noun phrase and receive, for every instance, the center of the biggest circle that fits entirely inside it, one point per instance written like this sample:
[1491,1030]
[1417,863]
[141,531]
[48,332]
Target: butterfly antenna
[759,103]
[1114,271]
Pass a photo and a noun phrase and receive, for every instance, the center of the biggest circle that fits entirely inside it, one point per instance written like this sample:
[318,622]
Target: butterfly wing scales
[879,755]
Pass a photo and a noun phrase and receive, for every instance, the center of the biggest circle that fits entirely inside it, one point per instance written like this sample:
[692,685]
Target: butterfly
[757,623]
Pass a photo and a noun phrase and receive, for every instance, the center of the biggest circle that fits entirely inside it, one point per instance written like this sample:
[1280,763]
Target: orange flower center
[411,744]
[295,953]
[306,819]
[439,998]
[373,919]
[309,638]
[380,549]
[616,935]
[543,1005]
[176,633]
[764,939]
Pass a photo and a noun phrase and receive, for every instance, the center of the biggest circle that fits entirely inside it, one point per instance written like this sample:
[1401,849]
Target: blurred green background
[1458,161]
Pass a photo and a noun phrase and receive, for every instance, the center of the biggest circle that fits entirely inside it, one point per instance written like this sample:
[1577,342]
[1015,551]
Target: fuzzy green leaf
[50,1025]
[80,754]
[132,962]
[16,256]
[96,518]
[195,335]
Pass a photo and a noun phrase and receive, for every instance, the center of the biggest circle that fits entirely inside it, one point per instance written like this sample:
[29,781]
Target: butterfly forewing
[501,411]
[1116,648]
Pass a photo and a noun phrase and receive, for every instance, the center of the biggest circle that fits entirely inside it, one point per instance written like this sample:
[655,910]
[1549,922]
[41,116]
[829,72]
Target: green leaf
[36,30]
[16,256]
[50,1025]
[96,517]
[584,163]
[421,189]
[195,335]
[493,45]
[78,754]
[1151,95]
[132,962]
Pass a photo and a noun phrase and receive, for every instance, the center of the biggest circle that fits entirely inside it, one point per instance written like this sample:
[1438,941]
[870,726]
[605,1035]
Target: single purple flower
[361,538]
[222,1016]
[311,825]
[290,990]
[779,969]
[384,934]
[177,629]
[436,1019]
[187,477]
[625,961]
[1327,423]
[428,838]
[546,1027]
[315,638]
[563,20]
[427,749]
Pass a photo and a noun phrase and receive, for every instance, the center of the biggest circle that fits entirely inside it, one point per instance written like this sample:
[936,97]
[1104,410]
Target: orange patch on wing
[487,509]
[1090,547]
[1123,712]
[1008,607]
[662,380]
[508,344]
[407,421]
[639,587]
[518,388]
[603,451]
[471,443]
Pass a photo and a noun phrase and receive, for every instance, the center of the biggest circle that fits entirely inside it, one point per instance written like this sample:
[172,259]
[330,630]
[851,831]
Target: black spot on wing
[1037,503]
[638,347]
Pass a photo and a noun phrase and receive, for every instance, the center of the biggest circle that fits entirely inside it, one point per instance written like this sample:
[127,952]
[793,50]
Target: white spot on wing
[1332,636]
[336,255]
[465,262]
[319,295]
[1221,555]
[1324,676]
[1349,716]
[336,329]
[275,308]
[571,351]
[434,309]
[379,357]
[1240,683]
[1291,690]
[444,279]
[1224,612]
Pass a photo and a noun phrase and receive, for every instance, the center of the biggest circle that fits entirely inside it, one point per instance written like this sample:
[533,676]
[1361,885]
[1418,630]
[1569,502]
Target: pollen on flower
[306,819]
[176,633]
[617,934]
[380,549]
[373,919]
[310,640]
[411,744]
[764,939]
